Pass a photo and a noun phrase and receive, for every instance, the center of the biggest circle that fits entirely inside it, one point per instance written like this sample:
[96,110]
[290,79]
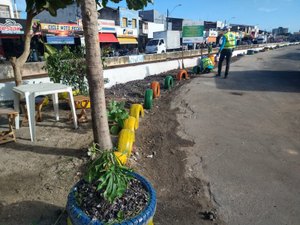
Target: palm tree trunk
[95,75]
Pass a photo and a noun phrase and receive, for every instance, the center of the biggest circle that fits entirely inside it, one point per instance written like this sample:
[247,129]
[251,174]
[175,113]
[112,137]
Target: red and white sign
[10,26]
[104,26]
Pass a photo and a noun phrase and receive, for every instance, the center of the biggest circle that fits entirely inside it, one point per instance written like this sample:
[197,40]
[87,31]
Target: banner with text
[192,31]
[62,29]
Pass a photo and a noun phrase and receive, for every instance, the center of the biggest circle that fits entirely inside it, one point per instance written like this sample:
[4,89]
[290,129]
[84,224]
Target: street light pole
[169,13]
[225,22]
[230,20]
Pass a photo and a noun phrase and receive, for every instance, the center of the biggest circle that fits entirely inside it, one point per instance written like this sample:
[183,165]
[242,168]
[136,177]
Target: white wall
[115,76]
[123,74]
[8,3]
[141,71]
[154,27]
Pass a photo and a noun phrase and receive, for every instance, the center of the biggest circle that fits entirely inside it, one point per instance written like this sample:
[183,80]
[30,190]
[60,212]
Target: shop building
[107,36]
[118,28]
[153,16]
[175,23]
[11,37]
[11,30]
[6,9]
[127,32]
[118,31]
[70,14]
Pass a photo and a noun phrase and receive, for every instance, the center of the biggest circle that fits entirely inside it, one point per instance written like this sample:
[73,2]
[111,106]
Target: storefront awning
[127,40]
[60,40]
[107,38]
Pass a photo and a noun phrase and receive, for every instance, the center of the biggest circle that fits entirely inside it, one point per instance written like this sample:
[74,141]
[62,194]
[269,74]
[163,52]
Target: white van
[164,41]
[156,46]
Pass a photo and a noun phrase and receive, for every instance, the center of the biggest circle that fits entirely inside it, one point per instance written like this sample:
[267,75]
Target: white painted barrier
[124,74]
[114,75]
[138,72]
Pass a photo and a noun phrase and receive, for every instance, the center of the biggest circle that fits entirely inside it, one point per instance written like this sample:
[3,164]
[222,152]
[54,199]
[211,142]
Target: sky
[266,14]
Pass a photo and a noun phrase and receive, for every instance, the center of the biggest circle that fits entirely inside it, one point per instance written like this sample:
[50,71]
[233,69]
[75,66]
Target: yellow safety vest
[230,40]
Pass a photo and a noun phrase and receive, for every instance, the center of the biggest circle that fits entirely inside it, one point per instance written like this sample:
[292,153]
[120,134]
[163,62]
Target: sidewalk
[247,139]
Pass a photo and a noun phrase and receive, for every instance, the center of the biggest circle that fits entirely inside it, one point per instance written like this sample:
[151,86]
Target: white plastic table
[30,91]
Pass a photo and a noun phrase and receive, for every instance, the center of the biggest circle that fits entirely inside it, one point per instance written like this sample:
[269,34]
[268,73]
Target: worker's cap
[226,27]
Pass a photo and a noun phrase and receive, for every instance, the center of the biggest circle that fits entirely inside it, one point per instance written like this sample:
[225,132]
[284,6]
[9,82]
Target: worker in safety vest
[226,49]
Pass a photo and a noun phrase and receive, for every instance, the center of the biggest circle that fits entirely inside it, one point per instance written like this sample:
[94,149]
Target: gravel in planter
[134,200]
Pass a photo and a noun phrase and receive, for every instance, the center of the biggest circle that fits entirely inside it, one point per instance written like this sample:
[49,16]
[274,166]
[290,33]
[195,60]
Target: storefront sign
[12,26]
[126,32]
[104,23]
[64,29]
[60,40]
[107,30]
[104,26]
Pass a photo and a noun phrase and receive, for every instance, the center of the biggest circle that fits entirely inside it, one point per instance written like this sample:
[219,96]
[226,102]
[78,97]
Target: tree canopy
[37,6]
[131,4]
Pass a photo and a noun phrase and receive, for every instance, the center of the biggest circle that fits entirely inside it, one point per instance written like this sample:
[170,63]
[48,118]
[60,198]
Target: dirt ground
[36,177]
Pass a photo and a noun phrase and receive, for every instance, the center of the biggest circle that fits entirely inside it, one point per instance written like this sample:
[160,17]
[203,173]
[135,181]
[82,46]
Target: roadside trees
[33,8]
[95,68]
[93,55]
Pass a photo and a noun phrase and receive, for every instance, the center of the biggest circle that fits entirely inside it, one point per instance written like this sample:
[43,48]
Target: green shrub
[117,114]
[68,67]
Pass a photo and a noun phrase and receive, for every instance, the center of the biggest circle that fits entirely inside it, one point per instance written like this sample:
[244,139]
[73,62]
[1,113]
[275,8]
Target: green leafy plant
[108,174]
[106,51]
[67,67]
[117,114]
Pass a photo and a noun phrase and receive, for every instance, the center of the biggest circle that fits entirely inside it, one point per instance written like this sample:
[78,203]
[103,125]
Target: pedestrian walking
[225,51]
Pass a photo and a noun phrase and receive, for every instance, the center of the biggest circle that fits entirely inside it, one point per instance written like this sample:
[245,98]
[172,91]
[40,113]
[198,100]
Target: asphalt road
[246,131]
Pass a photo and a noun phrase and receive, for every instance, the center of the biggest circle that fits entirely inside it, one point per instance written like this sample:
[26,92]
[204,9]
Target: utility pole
[15,9]
[167,20]
[168,14]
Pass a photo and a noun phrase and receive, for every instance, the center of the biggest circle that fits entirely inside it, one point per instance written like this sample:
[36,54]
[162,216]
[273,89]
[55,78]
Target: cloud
[267,10]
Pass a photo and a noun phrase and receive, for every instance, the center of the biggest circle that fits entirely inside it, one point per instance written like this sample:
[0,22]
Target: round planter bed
[78,217]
